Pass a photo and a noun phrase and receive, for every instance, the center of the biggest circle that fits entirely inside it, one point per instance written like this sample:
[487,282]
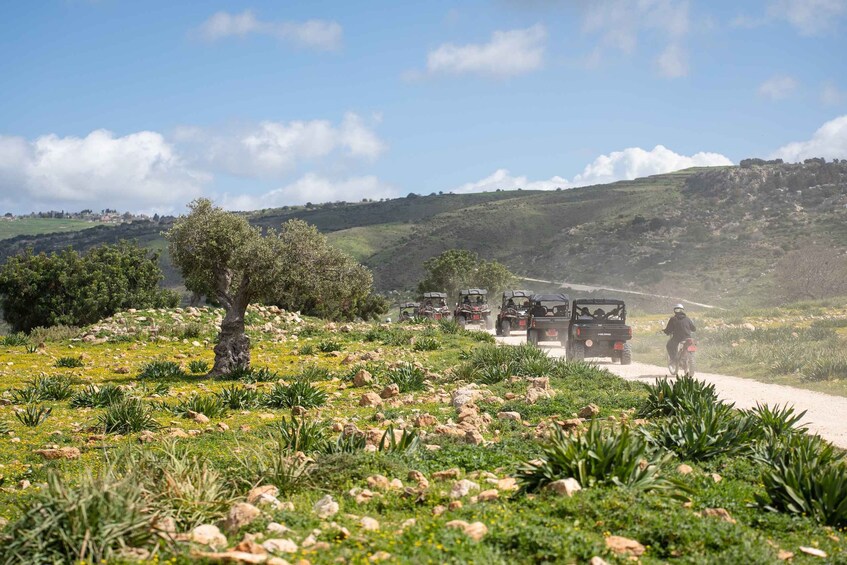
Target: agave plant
[161,370]
[198,366]
[237,397]
[684,395]
[351,443]
[777,421]
[69,362]
[408,442]
[127,416]
[598,456]
[407,377]
[93,396]
[33,415]
[300,435]
[209,405]
[299,393]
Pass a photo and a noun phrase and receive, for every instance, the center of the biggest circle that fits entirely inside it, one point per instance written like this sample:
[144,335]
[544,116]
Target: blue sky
[144,106]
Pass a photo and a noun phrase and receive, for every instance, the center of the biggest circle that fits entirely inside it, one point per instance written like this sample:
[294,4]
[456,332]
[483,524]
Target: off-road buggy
[433,305]
[598,329]
[472,308]
[408,310]
[549,318]
[514,312]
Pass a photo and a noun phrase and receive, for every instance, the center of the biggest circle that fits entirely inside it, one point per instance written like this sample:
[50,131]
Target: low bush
[300,435]
[198,366]
[127,416]
[237,397]
[407,377]
[328,346]
[210,405]
[48,387]
[54,334]
[271,463]
[93,396]
[15,339]
[598,456]
[426,343]
[307,349]
[314,373]
[33,415]
[161,370]
[684,395]
[89,521]
[408,442]
[449,326]
[70,362]
[159,389]
[298,393]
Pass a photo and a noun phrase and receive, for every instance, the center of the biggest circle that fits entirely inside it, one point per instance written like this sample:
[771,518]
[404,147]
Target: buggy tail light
[533,323]
[692,347]
[618,346]
[578,332]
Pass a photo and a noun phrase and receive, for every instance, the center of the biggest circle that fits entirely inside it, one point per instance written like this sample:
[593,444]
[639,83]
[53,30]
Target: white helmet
[678,307]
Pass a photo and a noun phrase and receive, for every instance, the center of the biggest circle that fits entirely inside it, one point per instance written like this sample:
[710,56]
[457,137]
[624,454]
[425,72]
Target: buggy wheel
[532,337]
[626,354]
[488,322]
[498,327]
[505,328]
[461,321]
[577,350]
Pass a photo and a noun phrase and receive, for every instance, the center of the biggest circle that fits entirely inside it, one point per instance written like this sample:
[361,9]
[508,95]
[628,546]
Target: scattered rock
[208,534]
[622,545]
[198,417]
[369,524]
[488,495]
[280,545]
[298,410]
[784,555]
[566,487]
[379,482]
[419,478]
[462,488]
[439,510]
[265,494]
[749,327]
[514,416]
[509,483]
[232,557]
[473,437]
[146,436]
[717,478]
[590,411]
[240,514]
[222,427]
[454,505]
[720,513]
[325,507]
[425,421]
[464,396]
[476,531]
[684,469]
[362,378]
[597,561]
[813,551]
[379,556]
[276,528]
[453,473]
[370,399]
[390,391]
[59,453]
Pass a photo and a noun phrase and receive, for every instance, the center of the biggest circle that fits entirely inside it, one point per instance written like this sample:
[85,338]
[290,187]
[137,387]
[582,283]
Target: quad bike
[684,361]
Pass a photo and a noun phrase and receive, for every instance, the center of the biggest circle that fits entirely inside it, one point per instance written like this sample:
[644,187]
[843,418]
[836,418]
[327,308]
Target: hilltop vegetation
[715,234]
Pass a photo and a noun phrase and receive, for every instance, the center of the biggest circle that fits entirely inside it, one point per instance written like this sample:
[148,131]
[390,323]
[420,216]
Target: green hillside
[36,226]
[713,235]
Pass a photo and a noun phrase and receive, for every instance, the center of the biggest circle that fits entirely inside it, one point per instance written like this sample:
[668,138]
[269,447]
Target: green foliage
[707,432]
[459,268]
[161,370]
[85,520]
[352,443]
[46,387]
[237,397]
[684,395]
[300,435]
[54,334]
[33,415]
[426,343]
[313,373]
[93,396]
[272,463]
[198,366]
[249,375]
[597,456]
[210,405]
[408,377]
[160,388]
[127,416]
[72,289]
[806,477]
[777,421]
[328,346]
[298,393]
[4,428]
[70,362]
[408,442]
[307,349]
[15,339]
[491,364]
[26,395]
[449,326]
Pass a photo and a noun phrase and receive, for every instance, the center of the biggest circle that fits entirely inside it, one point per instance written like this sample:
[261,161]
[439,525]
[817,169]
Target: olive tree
[460,268]
[222,256]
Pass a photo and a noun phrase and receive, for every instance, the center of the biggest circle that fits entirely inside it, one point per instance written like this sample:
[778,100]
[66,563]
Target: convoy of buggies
[585,328]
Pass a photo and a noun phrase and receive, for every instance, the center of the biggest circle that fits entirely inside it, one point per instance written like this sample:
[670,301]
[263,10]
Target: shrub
[806,477]
[198,366]
[51,388]
[93,396]
[710,431]
[28,395]
[160,389]
[826,369]
[271,463]
[328,346]
[54,334]
[299,393]
[684,395]
[426,343]
[69,362]
[307,349]
[161,370]
[300,435]
[210,405]
[15,339]
[351,443]
[314,373]
[776,421]
[238,397]
[191,330]
[449,326]
[90,521]
[597,456]
[127,416]
[408,443]
[407,377]
[33,415]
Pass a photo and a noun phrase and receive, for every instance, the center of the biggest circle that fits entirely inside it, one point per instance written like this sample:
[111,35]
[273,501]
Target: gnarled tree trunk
[233,347]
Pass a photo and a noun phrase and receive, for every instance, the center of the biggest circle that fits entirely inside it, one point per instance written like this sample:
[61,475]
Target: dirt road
[825,414]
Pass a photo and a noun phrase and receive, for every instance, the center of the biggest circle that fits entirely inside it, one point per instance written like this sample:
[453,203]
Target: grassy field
[802,345]
[37,226]
[484,429]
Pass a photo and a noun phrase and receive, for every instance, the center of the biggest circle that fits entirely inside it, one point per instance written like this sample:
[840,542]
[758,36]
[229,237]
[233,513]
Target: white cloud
[628,164]
[315,34]
[810,17]
[314,188]
[509,53]
[270,149]
[778,87]
[139,171]
[831,95]
[620,23]
[829,141]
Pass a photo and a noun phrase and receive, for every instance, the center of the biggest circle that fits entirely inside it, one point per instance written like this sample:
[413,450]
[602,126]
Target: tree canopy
[459,268]
[67,288]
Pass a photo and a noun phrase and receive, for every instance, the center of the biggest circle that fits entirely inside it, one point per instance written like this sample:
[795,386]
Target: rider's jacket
[680,327]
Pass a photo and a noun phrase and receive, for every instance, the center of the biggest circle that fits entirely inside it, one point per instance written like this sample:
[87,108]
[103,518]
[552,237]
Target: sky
[145,106]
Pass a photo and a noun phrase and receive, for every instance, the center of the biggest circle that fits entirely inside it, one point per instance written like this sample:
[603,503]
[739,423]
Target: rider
[679,327]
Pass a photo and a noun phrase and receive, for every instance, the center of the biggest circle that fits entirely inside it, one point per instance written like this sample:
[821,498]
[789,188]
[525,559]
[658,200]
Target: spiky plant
[408,442]
[161,370]
[407,377]
[70,362]
[777,421]
[298,393]
[237,397]
[198,366]
[93,396]
[328,346]
[426,343]
[300,435]
[127,416]
[684,395]
[352,443]
[33,415]
[210,405]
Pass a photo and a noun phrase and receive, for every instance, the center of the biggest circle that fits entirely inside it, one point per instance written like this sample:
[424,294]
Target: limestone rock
[590,411]
[425,420]
[514,416]
[813,551]
[390,391]
[369,524]
[622,545]
[684,469]
[488,495]
[198,417]
[362,378]
[280,545]
[59,453]
[720,513]
[370,399]
[463,488]
[473,437]
[476,531]
[566,487]
[240,514]
[379,482]
[453,473]
[325,507]
[208,534]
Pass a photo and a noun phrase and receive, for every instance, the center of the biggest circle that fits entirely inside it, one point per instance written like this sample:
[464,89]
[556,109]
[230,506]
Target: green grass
[38,226]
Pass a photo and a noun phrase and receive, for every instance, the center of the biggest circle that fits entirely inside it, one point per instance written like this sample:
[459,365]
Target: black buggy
[598,329]
[514,312]
[549,318]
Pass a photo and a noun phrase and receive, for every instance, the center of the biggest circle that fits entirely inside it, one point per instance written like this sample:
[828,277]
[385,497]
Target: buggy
[598,329]
[549,318]
[433,305]
[473,308]
[408,310]
[514,312]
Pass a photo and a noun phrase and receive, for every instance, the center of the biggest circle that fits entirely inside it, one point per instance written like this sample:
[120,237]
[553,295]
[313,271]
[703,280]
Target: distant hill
[38,226]
[713,234]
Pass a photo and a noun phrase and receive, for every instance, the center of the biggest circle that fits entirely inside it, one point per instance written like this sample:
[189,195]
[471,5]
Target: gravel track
[826,414]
